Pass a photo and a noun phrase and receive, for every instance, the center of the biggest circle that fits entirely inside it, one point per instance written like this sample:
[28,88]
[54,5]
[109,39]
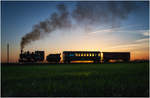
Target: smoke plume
[57,20]
[103,12]
[84,12]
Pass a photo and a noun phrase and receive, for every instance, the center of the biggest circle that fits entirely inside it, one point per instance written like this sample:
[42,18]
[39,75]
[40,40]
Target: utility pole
[7,52]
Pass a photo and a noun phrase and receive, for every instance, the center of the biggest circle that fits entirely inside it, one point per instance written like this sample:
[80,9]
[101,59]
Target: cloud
[142,40]
[140,43]
[123,29]
[146,33]
[102,31]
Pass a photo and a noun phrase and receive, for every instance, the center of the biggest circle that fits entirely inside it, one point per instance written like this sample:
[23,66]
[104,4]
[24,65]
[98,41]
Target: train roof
[116,52]
[55,54]
[81,51]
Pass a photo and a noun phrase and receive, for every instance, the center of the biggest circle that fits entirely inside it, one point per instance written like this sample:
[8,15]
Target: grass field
[119,79]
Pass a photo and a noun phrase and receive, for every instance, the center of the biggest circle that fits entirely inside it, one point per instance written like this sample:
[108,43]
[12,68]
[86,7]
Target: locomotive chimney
[21,51]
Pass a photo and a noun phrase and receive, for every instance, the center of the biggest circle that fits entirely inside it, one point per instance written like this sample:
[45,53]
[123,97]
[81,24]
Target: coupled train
[69,56]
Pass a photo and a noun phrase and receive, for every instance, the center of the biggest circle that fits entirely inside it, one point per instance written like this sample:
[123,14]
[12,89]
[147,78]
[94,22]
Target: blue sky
[18,18]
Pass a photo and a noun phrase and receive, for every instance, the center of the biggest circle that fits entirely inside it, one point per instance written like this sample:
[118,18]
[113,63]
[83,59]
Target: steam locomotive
[69,56]
[37,56]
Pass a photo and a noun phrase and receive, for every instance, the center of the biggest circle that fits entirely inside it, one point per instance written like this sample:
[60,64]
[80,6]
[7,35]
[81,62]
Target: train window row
[85,54]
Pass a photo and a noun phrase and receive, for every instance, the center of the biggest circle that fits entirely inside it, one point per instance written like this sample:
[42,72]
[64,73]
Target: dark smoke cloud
[57,20]
[85,12]
[102,12]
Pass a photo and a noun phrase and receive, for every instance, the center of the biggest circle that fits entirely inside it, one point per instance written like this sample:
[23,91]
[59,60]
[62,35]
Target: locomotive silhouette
[69,56]
[37,56]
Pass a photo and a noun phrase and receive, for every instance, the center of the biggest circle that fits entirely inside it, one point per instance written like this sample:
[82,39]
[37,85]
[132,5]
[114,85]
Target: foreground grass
[121,79]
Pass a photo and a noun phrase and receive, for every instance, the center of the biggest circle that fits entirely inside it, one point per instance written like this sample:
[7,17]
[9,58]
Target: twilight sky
[61,26]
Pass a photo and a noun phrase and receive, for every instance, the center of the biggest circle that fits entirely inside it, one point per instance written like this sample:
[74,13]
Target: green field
[119,79]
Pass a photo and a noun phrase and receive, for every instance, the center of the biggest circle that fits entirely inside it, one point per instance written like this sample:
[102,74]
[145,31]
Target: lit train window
[92,54]
[99,54]
[81,54]
[76,54]
[87,54]
[84,54]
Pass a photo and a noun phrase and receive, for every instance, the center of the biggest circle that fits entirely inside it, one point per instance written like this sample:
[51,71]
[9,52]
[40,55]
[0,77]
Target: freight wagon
[124,56]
